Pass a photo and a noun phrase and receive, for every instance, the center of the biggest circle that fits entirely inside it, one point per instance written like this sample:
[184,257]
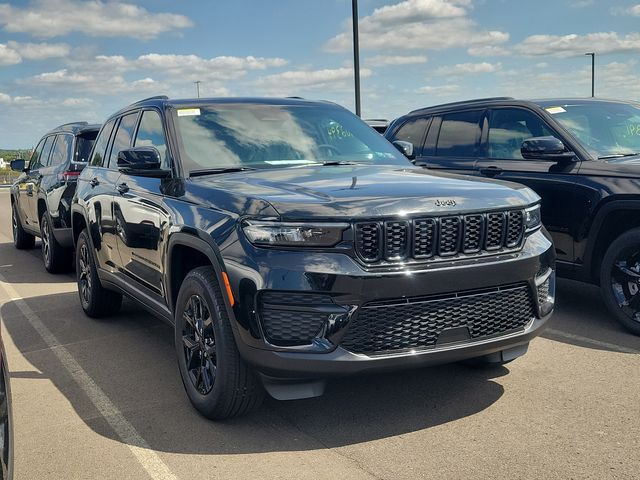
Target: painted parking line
[591,341]
[147,458]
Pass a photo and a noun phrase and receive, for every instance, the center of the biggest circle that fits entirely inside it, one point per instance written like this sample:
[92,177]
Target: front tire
[96,300]
[21,239]
[218,382]
[56,258]
[620,280]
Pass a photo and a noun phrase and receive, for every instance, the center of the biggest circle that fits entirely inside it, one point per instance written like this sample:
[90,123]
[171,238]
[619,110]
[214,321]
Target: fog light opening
[546,291]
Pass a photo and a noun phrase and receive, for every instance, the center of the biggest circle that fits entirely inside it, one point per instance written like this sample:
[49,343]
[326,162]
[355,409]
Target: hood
[613,167]
[356,191]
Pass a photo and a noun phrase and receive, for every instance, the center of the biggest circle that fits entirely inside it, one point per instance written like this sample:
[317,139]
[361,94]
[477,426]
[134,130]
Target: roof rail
[156,97]
[464,102]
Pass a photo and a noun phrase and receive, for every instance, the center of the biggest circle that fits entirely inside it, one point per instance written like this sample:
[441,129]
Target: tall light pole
[356,54]
[198,82]
[593,72]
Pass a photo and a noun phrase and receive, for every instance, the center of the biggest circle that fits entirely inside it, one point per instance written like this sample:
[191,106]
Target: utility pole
[356,54]
[593,72]
[198,82]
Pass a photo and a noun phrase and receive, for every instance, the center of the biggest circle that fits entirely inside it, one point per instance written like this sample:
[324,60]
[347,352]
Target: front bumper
[348,284]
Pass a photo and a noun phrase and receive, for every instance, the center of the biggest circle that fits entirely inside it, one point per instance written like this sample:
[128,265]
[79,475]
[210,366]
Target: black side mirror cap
[139,158]
[18,165]
[546,148]
[406,148]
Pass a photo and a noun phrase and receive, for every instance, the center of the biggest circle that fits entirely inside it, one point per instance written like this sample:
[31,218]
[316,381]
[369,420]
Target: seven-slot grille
[444,236]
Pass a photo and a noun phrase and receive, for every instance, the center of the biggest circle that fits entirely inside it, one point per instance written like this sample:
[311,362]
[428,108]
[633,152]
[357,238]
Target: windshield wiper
[215,171]
[618,155]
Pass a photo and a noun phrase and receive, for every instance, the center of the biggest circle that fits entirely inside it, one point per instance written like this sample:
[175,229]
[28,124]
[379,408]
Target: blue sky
[67,60]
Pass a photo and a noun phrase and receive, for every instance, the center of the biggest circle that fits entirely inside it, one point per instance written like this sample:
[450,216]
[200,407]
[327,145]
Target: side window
[413,132]
[35,156]
[151,134]
[122,138]
[44,157]
[102,141]
[508,128]
[459,134]
[61,150]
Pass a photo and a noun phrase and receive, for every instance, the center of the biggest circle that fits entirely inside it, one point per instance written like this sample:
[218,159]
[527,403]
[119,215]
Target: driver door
[555,182]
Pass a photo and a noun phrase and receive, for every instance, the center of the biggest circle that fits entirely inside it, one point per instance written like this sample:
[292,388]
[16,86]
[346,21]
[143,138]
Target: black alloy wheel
[45,230]
[84,274]
[21,239]
[620,280]
[199,343]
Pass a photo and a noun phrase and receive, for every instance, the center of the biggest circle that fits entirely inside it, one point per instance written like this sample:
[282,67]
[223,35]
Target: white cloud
[468,69]
[78,102]
[4,98]
[631,10]
[93,83]
[581,3]
[488,51]
[386,60]
[439,89]
[8,56]
[418,24]
[575,45]
[291,82]
[95,18]
[40,51]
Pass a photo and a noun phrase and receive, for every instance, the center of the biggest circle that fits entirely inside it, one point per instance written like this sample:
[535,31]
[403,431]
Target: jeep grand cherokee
[287,242]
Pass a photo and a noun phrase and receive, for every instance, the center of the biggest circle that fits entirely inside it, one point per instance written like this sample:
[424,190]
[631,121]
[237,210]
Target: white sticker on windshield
[554,110]
[186,112]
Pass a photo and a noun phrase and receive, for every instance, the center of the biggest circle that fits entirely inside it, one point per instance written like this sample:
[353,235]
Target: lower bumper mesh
[404,324]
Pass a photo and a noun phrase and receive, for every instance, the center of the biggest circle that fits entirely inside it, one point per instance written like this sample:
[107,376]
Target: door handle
[491,171]
[122,188]
[94,182]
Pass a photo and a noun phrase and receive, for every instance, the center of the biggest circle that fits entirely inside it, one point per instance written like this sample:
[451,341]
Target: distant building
[3,164]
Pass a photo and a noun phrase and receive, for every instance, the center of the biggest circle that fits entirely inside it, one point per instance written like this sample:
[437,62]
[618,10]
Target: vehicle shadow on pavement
[26,266]
[131,359]
[581,315]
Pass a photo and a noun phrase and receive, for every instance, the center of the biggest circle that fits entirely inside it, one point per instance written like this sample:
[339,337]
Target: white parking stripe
[591,341]
[149,460]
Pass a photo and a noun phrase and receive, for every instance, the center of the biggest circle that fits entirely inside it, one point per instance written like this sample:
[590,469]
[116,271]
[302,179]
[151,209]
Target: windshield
[607,129]
[274,136]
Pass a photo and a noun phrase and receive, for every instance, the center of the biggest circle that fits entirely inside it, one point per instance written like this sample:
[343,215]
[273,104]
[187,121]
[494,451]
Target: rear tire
[56,258]
[21,239]
[96,300]
[620,280]
[218,382]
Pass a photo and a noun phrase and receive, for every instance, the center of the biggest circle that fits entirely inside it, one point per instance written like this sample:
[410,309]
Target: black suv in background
[287,241]
[581,156]
[41,196]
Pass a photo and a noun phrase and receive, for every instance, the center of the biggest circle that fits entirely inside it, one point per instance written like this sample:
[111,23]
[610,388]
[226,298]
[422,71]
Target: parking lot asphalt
[104,400]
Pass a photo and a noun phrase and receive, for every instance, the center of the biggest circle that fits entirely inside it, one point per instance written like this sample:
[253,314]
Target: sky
[72,60]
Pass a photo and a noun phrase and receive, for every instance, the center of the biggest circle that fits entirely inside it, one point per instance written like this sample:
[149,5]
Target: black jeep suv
[582,156]
[287,241]
[41,196]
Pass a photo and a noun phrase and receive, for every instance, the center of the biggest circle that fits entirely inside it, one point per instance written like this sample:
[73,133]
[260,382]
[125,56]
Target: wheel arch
[189,250]
[611,221]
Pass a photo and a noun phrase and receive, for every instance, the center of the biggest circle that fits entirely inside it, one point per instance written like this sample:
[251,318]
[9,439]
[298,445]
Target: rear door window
[459,134]
[61,150]
[99,152]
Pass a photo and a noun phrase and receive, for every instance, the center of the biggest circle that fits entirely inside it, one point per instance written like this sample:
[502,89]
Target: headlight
[294,234]
[532,218]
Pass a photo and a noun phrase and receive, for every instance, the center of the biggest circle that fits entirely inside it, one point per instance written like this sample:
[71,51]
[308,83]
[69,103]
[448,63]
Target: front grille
[438,237]
[417,323]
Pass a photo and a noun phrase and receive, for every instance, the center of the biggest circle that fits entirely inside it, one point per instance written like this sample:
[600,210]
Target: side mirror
[546,148]
[18,165]
[406,148]
[139,158]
